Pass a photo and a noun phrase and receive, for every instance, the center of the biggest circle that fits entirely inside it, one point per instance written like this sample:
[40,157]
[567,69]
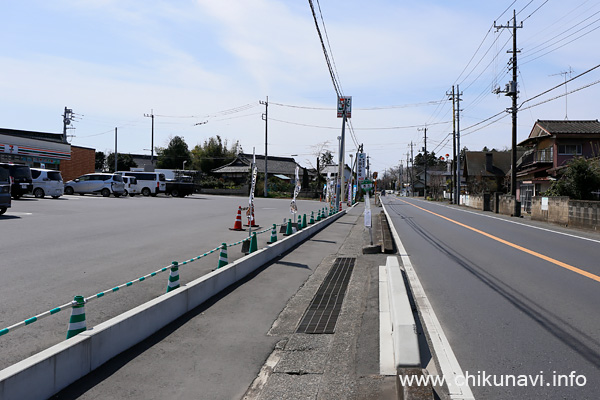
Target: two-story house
[550,146]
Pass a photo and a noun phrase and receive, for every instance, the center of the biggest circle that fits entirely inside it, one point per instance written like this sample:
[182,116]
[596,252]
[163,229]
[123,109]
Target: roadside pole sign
[344,103]
[366,185]
[361,163]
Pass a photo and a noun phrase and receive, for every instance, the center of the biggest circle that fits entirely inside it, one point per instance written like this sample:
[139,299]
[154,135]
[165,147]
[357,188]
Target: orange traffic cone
[252,223]
[237,226]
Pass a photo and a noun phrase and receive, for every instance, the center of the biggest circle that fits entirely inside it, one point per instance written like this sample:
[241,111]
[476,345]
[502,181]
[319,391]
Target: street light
[184,165]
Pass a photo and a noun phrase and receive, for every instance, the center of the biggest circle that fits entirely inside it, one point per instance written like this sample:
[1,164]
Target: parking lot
[54,249]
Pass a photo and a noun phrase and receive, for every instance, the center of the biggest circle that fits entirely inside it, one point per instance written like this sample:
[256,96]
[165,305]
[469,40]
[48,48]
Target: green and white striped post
[299,222]
[312,218]
[173,277]
[222,256]
[304,224]
[253,243]
[273,235]
[288,229]
[77,320]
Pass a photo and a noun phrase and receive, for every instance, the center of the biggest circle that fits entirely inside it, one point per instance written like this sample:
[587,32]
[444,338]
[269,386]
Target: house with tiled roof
[550,146]
[239,169]
[485,171]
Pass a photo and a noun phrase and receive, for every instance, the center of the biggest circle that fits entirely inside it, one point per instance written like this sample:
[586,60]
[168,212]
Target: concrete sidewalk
[243,342]
[342,365]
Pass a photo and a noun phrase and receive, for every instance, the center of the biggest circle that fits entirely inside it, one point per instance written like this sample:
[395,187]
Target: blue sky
[204,60]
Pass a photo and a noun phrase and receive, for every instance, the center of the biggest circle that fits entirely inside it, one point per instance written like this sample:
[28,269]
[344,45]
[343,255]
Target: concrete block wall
[584,214]
[478,201]
[507,204]
[557,212]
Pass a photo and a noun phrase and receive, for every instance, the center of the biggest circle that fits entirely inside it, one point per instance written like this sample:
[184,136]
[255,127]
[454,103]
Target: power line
[330,50]
[559,85]
[535,97]
[377,108]
[329,66]
[562,95]
[358,129]
[534,11]
[563,45]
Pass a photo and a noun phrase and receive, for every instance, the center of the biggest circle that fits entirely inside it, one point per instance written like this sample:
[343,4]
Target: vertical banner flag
[250,212]
[329,199]
[293,206]
[362,163]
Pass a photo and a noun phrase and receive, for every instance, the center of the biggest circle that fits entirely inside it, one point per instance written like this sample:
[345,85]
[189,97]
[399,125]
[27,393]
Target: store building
[36,149]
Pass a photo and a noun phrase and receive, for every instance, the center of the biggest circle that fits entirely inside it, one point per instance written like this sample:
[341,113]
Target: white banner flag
[293,206]
[250,211]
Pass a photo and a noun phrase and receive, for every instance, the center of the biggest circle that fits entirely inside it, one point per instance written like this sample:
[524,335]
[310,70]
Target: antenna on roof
[565,73]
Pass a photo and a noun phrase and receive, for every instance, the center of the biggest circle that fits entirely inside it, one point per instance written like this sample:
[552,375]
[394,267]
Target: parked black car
[180,187]
[4,190]
[20,179]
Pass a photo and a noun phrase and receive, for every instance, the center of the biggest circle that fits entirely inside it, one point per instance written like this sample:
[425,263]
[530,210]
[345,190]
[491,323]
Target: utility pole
[408,173]
[511,90]
[151,115]
[458,94]
[412,171]
[453,186]
[116,154]
[343,102]
[426,161]
[265,118]
[67,119]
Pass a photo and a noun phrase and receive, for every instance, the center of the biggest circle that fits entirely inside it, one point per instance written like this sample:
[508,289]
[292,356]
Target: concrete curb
[46,373]
[404,330]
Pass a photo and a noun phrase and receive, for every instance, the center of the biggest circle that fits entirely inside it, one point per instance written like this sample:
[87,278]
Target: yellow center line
[515,246]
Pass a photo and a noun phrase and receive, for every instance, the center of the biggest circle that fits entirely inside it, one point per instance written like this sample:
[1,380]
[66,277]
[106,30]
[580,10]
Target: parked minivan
[105,184]
[4,190]
[47,182]
[20,179]
[149,183]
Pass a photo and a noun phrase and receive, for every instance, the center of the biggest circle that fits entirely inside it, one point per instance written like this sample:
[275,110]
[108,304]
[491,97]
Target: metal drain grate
[324,309]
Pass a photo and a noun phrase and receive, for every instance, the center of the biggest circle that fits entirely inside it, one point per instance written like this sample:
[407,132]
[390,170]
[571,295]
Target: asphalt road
[52,250]
[512,296]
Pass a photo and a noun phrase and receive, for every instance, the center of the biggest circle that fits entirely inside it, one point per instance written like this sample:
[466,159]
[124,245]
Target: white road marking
[517,223]
[449,365]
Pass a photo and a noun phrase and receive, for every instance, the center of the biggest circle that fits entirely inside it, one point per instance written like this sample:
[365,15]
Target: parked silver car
[103,183]
[47,182]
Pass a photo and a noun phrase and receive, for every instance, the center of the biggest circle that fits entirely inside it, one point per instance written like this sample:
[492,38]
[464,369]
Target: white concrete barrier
[46,373]
[404,329]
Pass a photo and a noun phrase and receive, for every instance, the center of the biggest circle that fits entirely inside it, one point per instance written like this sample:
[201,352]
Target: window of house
[569,149]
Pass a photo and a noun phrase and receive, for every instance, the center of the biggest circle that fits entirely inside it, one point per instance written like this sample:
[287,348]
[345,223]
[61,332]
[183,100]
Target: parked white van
[149,183]
[47,182]
[131,186]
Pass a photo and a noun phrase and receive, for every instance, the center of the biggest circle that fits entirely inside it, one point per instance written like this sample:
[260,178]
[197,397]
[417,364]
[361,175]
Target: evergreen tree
[100,161]
[580,179]
[173,156]
[213,154]
[124,162]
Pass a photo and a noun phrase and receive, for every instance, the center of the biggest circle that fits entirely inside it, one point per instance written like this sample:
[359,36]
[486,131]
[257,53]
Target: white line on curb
[450,368]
